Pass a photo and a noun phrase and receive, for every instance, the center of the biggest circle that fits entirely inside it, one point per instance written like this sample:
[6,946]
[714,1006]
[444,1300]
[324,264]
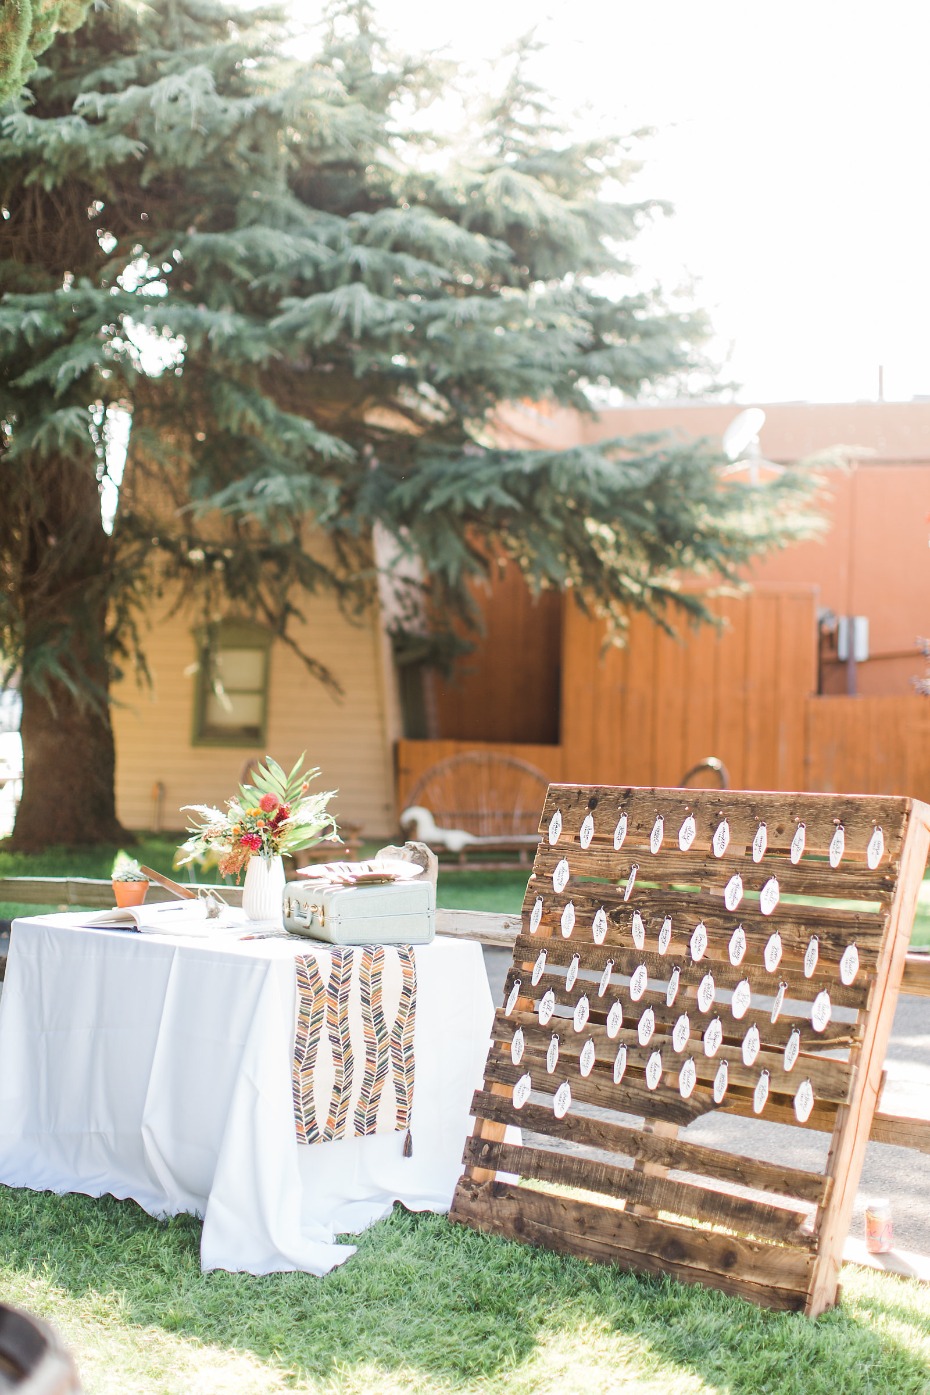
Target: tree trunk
[68,774]
[69,759]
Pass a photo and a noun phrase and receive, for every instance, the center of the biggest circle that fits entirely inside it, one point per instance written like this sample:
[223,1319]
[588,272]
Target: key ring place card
[724,951]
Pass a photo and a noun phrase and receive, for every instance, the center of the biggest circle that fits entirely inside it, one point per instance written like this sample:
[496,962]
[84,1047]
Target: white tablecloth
[159,1068]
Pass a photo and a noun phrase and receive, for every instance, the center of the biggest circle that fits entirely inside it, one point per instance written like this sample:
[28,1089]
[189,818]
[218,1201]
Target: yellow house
[179,742]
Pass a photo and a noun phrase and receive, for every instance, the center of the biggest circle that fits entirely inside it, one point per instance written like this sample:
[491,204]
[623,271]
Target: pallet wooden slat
[571,1067]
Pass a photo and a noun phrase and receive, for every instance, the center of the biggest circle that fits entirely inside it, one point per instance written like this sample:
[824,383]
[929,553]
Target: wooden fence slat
[712,1205]
[767,1273]
[585,1130]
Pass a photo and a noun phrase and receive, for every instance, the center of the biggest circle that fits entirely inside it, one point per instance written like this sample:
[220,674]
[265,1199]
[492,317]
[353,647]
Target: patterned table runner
[353,1069]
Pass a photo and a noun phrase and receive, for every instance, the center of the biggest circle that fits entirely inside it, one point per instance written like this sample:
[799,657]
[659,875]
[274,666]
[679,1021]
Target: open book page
[167,918]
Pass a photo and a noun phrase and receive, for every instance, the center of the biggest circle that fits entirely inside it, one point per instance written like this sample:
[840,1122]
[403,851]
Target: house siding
[349,738]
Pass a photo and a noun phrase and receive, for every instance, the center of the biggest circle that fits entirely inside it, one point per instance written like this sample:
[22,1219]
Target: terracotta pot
[130,893]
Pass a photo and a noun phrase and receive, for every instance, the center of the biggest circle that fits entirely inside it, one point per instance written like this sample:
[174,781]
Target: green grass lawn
[428,1306]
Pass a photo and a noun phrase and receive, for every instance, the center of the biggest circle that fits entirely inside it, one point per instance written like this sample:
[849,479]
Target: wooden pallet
[605,1170]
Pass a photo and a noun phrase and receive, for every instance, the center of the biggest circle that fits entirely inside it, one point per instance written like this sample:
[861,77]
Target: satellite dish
[740,444]
[742,432]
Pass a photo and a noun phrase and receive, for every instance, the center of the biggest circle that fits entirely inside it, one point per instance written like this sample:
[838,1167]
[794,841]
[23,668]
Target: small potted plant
[129,881]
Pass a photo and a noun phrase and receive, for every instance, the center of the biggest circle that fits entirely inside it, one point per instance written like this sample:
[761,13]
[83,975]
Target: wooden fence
[645,714]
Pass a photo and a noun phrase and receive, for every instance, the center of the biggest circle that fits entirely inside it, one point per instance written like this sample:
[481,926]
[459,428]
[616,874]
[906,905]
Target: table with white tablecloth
[158,1068]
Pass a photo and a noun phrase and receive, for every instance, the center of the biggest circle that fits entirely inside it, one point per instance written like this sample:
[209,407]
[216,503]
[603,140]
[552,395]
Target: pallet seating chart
[682,952]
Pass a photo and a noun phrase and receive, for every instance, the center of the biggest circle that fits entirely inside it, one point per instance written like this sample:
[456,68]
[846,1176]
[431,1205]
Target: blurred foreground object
[32,1359]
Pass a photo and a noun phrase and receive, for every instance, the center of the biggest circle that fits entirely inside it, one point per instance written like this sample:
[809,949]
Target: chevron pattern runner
[353,1065]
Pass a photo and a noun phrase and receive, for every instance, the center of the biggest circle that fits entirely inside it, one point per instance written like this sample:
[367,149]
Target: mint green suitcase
[397,913]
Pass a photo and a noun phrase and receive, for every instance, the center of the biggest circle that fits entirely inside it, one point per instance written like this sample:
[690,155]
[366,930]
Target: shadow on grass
[446,1308]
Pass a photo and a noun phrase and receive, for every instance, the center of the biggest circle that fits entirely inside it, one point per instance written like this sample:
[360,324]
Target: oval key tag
[837,846]
[604,984]
[571,973]
[512,998]
[539,968]
[737,946]
[779,1002]
[586,1061]
[804,1102]
[599,926]
[721,1081]
[792,1049]
[768,896]
[821,1011]
[567,920]
[742,996]
[797,843]
[560,875]
[665,935]
[687,1078]
[521,1091]
[772,952]
[760,843]
[586,831]
[761,1093]
[657,834]
[671,992]
[873,853]
[582,1009]
[681,1032]
[614,1019]
[620,833]
[811,955]
[638,981]
[546,1008]
[619,1064]
[721,838]
[638,930]
[562,1102]
[687,833]
[630,882]
[698,942]
[733,893]
[555,827]
[536,915]
[516,1046]
[705,993]
[713,1036]
[552,1054]
[654,1070]
[751,1045]
[646,1026]
[849,964]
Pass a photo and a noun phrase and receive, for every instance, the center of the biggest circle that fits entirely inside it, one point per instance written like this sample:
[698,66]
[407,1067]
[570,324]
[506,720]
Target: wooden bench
[475,805]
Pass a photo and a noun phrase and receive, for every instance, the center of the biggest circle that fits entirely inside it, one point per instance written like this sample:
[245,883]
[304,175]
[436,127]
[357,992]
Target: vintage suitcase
[397,913]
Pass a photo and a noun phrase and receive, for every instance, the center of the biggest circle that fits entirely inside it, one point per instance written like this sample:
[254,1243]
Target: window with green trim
[232,685]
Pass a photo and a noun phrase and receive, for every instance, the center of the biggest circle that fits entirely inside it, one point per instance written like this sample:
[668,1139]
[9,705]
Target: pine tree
[27,27]
[311,308]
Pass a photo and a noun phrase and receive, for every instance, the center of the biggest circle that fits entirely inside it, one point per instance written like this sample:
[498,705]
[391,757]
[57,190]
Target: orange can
[879,1229]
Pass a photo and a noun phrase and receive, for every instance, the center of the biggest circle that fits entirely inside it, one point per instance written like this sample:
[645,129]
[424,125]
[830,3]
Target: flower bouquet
[273,815]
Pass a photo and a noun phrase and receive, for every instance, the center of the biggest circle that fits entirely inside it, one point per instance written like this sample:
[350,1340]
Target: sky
[794,141]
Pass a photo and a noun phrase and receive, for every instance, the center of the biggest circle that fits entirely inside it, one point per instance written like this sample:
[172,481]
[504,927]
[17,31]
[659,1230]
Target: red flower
[251,840]
[268,802]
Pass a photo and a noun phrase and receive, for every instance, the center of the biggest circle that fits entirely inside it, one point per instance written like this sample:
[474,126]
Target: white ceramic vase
[263,891]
